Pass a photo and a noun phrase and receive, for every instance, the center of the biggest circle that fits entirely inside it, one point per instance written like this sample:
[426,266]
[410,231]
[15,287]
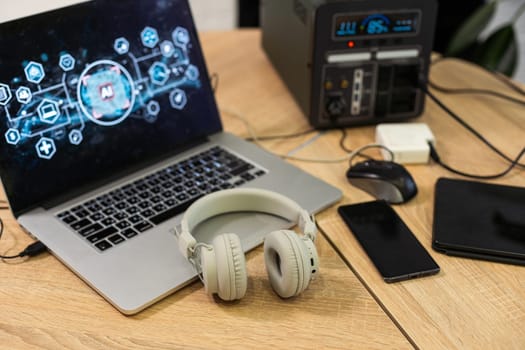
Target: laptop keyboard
[121,214]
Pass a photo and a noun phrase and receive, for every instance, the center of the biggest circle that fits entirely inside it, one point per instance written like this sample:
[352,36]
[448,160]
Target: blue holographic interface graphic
[95,90]
[376,24]
[49,102]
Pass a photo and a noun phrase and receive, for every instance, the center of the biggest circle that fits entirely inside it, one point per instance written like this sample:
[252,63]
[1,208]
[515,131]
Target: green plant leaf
[468,32]
[499,52]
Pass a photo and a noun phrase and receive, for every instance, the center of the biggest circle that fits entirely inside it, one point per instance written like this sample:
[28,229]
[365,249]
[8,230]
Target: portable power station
[351,62]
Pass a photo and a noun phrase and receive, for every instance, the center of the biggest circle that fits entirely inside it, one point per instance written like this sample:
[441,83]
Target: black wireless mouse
[384,180]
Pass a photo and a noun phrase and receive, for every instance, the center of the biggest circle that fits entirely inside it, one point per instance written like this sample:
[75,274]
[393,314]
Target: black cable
[505,80]
[468,91]
[31,250]
[502,79]
[435,156]
[342,141]
[468,127]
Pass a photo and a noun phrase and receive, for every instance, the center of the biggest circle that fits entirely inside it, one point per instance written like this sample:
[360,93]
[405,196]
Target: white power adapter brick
[408,142]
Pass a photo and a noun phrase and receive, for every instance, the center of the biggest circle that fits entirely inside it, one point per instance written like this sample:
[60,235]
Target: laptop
[479,220]
[110,131]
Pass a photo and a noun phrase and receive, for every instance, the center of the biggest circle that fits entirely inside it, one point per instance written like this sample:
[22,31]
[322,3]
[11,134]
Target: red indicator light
[351,44]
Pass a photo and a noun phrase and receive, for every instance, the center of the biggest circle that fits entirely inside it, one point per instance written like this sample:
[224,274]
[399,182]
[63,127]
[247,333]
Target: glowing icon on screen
[66,62]
[150,37]
[121,46]
[106,93]
[48,111]
[34,72]
[45,148]
[178,99]
[24,95]
[5,94]
[12,136]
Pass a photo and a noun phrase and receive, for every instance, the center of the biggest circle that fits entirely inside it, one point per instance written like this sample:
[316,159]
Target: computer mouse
[384,180]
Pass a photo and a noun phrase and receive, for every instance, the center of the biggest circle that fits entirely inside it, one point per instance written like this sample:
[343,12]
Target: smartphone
[392,247]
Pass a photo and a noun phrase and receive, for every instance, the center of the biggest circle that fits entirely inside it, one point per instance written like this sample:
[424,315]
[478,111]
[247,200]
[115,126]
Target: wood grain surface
[45,306]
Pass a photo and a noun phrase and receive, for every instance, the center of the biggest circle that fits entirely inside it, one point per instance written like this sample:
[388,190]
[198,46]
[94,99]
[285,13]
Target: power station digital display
[376,24]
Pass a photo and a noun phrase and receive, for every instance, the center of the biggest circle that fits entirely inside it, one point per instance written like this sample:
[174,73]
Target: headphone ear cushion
[231,267]
[287,263]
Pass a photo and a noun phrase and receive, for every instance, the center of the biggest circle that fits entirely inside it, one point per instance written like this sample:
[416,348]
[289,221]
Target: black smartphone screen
[387,240]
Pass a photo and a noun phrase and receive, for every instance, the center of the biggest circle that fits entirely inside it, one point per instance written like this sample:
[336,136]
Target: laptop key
[144,205]
[120,216]
[129,232]
[123,224]
[121,205]
[143,226]
[108,221]
[134,219]
[97,217]
[159,208]
[81,224]
[132,210]
[86,231]
[102,234]
[82,213]
[104,245]
[241,169]
[116,239]
[63,214]
[147,213]
[69,219]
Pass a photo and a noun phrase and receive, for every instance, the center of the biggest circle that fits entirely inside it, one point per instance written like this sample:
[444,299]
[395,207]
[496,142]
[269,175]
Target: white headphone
[291,261]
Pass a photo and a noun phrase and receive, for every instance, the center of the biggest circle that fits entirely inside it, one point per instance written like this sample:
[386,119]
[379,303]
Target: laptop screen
[94,89]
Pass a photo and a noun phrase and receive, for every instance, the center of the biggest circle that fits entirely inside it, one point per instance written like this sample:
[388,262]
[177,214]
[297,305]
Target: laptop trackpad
[250,227]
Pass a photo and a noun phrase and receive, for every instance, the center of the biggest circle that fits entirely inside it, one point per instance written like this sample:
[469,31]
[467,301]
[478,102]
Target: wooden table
[44,305]
[470,304]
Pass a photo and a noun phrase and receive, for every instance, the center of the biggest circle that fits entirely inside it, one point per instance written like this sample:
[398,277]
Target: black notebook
[479,220]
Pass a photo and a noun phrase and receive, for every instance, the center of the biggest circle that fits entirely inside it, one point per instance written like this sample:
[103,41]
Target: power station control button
[328,85]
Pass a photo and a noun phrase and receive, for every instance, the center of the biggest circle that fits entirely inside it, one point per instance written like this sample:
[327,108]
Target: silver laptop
[110,131]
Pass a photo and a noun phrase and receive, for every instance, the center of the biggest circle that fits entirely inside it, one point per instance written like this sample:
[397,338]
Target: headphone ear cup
[231,267]
[287,263]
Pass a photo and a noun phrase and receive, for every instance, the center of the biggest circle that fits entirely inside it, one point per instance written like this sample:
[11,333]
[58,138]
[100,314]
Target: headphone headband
[241,200]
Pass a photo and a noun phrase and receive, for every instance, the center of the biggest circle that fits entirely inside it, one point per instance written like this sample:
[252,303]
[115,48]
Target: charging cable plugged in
[409,142]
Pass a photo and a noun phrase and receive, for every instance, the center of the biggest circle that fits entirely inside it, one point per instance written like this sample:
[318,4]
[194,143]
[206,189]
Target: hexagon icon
[76,137]
[181,36]
[192,72]
[45,148]
[67,62]
[5,94]
[24,95]
[34,72]
[121,46]
[48,111]
[153,108]
[149,37]
[12,136]
[159,73]
[178,99]
[167,49]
